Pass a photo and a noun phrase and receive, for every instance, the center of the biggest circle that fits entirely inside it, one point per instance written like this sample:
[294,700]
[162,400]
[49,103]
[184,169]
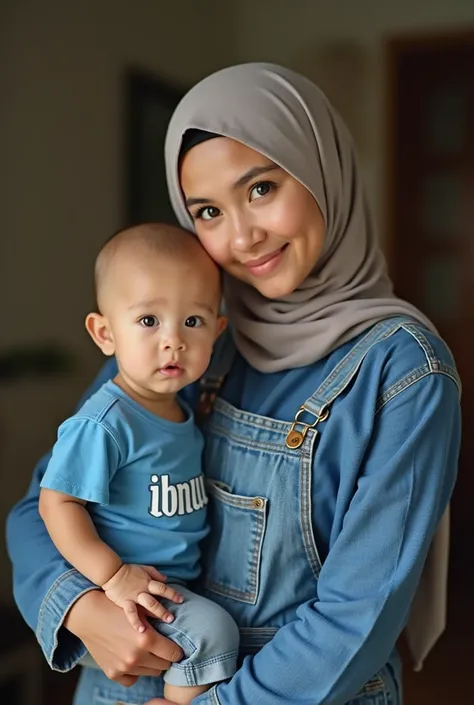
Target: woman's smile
[267,264]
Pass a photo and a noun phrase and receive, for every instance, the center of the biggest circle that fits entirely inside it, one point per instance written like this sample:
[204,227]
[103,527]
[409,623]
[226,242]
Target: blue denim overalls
[261,560]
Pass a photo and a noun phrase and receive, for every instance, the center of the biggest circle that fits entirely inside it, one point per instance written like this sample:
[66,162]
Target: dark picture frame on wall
[149,104]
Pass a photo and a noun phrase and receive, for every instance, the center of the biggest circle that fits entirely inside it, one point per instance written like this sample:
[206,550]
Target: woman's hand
[120,651]
[158,701]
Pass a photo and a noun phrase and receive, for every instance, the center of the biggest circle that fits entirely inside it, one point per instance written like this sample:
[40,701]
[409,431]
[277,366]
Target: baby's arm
[71,528]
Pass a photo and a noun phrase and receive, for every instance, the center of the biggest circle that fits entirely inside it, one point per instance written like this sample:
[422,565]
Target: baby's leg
[209,638]
[183,695]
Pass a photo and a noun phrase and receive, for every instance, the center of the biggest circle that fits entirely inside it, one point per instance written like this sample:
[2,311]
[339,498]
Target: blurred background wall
[61,141]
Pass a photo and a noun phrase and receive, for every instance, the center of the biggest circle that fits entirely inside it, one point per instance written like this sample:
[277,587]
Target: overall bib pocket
[232,551]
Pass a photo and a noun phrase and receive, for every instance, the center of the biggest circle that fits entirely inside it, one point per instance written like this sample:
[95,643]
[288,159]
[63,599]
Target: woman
[332,447]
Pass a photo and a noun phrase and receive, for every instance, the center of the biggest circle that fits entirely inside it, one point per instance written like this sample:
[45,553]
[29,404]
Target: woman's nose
[246,235]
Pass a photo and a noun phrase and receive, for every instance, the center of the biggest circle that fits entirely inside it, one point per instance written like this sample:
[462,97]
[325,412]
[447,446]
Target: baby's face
[163,317]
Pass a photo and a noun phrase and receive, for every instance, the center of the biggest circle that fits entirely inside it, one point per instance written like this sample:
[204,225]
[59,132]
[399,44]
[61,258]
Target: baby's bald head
[159,297]
[135,247]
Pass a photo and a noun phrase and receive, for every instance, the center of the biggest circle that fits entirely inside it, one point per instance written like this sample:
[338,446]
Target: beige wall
[60,141]
[340,44]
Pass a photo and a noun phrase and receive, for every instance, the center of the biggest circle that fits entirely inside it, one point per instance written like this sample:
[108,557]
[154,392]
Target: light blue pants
[208,636]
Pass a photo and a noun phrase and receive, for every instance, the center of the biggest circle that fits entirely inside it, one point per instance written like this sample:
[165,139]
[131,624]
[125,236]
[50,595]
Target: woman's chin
[274,290]
[273,287]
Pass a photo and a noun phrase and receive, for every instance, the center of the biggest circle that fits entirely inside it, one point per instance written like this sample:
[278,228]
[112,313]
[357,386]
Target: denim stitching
[401,385]
[435,364]
[41,631]
[191,670]
[258,550]
[318,400]
[306,473]
[243,441]
[254,420]
[99,697]
[213,696]
[249,596]
[426,346]
[380,332]
[410,379]
[239,595]
[237,501]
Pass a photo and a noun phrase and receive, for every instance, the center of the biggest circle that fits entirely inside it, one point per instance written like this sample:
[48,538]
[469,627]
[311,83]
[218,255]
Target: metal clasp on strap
[296,437]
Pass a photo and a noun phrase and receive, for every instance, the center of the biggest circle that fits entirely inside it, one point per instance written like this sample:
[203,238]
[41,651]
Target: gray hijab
[288,119]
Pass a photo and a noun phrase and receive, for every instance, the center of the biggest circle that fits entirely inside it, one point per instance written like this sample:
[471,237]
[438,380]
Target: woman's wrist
[80,610]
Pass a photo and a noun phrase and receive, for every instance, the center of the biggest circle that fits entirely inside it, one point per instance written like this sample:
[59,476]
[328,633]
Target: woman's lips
[267,263]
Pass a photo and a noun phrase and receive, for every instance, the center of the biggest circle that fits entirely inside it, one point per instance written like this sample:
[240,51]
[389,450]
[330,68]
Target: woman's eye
[149,321]
[193,322]
[260,189]
[207,213]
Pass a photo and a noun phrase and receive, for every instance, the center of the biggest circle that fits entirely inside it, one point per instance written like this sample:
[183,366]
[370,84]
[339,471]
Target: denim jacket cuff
[62,649]
[207,698]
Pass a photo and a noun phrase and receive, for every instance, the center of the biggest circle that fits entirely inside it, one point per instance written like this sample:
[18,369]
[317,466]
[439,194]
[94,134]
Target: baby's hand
[134,585]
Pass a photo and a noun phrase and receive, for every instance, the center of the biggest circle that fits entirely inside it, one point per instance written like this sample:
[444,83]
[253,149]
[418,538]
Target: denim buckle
[295,437]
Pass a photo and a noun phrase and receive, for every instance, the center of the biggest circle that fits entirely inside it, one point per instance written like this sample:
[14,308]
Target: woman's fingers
[154,607]
[131,612]
[159,647]
[121,652]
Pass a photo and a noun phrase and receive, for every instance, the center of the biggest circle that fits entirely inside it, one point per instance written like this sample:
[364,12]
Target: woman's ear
[99,330]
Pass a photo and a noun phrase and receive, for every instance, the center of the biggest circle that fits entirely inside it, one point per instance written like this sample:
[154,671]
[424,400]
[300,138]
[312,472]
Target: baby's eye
[260,189]
[207,213]
[194,322]
[149,321]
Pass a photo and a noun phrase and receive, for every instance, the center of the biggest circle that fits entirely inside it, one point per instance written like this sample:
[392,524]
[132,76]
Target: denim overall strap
[220,364]
[342,375]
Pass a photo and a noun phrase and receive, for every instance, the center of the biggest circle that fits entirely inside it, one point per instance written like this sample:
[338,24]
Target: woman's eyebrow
[252,173]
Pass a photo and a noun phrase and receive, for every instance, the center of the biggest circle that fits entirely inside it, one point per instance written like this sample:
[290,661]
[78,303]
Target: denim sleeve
[44,584]
[342,637]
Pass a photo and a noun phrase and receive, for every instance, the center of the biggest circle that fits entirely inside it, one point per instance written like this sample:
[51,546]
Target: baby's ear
[221,325]
[99,330]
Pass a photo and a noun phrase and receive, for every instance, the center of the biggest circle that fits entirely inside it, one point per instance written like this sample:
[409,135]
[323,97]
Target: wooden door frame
[395,47]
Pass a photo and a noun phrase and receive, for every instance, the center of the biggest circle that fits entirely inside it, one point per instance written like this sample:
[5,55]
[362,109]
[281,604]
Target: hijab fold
[285,117]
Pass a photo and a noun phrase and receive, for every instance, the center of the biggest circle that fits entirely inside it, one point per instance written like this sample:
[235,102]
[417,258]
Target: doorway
[431,258]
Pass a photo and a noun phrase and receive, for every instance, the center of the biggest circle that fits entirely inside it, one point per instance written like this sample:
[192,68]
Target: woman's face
[255,220]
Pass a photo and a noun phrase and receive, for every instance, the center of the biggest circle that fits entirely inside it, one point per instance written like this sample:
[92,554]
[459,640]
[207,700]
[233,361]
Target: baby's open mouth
[171,370]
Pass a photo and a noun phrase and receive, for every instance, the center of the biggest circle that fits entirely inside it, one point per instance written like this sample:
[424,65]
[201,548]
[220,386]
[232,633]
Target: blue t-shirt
[142,476]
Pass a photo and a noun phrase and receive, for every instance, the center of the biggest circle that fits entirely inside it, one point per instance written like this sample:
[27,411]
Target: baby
[123,496]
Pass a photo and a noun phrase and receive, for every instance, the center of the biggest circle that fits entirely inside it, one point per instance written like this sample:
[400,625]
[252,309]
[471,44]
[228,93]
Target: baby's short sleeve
[85,458]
